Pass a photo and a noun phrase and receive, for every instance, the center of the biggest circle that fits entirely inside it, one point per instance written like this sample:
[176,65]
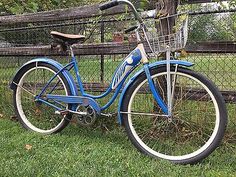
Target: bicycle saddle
[67,38]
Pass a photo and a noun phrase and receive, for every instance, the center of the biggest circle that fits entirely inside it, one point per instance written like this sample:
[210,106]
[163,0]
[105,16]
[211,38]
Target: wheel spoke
[143,113]
[29,92]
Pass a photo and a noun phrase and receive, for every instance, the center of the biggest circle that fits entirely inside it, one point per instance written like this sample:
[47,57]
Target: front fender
[153,65]
[54,63]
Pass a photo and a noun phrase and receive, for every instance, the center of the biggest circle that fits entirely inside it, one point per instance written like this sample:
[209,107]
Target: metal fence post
[102,56]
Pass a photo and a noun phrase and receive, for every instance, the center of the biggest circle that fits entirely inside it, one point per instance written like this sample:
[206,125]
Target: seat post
[71,51]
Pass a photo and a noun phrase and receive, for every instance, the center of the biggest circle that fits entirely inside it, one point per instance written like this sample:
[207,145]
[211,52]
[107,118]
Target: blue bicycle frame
[134,59]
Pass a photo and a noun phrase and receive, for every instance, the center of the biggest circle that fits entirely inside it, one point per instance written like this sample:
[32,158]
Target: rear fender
[54,63]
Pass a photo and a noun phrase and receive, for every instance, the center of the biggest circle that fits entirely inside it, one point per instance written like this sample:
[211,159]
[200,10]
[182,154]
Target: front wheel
[198,120]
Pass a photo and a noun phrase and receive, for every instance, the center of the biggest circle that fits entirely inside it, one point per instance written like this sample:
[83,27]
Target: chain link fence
[219,66]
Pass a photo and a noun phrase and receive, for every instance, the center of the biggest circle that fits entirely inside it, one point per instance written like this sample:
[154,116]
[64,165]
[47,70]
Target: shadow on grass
[105,133]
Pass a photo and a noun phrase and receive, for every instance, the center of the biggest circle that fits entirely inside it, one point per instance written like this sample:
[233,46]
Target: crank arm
[65,112]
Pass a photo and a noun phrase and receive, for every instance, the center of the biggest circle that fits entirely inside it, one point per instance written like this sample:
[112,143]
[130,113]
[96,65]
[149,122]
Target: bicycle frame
[137,56]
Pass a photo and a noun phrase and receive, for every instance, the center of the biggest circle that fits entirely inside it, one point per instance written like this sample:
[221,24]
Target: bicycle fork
[170,89]
[169,100]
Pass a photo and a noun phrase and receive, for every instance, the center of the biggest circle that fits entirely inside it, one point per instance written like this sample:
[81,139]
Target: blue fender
[130,82]
[54,63]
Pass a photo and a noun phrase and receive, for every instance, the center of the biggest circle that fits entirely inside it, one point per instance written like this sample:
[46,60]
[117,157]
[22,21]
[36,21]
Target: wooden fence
[87,12]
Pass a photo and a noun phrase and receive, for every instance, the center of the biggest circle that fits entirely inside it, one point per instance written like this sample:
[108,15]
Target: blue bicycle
[168,110]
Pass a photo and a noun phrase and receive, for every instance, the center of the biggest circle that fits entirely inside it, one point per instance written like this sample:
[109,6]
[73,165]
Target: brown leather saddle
[66,39]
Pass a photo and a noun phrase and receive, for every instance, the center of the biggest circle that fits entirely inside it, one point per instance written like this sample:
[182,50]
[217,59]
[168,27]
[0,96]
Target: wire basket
[167,33]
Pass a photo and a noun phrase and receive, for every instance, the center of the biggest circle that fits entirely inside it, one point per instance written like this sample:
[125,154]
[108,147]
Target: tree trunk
[164,8]
[164,28]
[167,6]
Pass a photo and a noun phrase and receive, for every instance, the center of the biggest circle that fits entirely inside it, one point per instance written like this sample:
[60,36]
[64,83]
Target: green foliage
[232,3]
[31,6]
[213,28]
[143,4]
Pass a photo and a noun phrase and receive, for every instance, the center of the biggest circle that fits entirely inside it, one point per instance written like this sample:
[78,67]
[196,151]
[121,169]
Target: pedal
[63,112]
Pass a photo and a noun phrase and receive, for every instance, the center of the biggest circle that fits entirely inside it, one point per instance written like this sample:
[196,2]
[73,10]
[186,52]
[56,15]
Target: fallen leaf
[1,115]
[38,112]
[14,118]
[28,146]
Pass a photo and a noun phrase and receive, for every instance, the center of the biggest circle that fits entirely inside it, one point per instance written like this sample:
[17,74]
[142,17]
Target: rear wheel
[36,115]
[198,119]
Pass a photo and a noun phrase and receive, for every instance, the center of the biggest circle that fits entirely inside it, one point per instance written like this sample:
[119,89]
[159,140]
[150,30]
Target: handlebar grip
[108,5]
[131,29]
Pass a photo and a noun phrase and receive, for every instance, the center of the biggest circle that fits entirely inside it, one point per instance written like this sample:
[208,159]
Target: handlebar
[114,3]
[131,29]
[108,5]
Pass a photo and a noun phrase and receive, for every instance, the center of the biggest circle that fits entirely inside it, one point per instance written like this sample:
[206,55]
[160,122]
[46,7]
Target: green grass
[79,151]
[84,152]
[218,68]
